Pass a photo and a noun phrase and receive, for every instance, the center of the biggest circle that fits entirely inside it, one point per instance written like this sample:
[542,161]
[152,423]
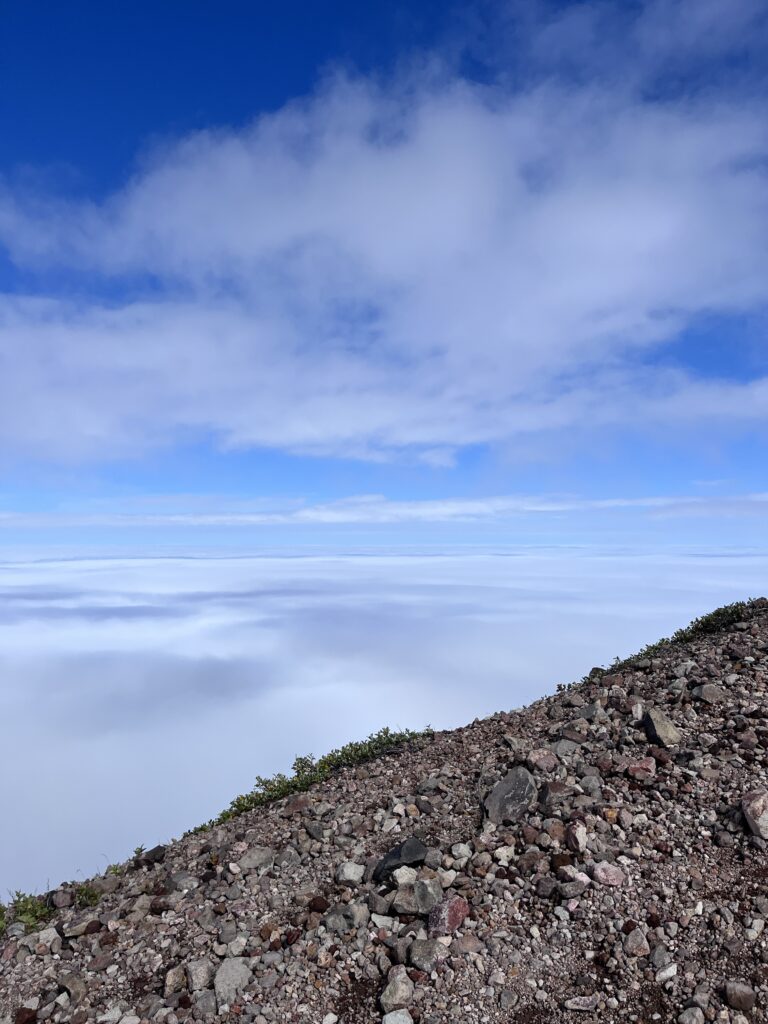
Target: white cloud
[407,266]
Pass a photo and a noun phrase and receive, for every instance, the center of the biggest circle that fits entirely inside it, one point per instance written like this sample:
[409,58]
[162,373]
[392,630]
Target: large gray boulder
[231,978]
[258,858]
[511,797]
[660,730]
[754,807]
[398,992]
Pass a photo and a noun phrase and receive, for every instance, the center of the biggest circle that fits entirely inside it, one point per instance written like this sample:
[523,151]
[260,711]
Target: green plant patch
[31,911]
[706,625]
[86,896]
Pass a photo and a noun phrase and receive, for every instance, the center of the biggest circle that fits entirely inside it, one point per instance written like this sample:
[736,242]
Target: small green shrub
[3,921]
[86,896]
[31,911]
[115,869]
[138,850]
[307,771]
[706,625]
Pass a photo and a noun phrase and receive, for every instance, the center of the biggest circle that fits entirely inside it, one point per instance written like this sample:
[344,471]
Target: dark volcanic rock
[412,851]
[660,730]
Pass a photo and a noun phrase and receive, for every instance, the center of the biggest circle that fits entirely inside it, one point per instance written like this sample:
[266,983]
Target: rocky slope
[598,856]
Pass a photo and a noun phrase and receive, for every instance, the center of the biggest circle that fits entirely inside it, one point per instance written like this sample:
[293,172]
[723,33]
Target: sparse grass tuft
[115,869]
[307,771]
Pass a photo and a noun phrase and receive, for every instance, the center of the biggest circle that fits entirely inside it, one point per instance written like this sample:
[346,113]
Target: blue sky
[258,263]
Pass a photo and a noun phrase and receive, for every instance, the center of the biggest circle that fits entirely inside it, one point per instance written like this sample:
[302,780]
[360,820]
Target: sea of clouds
[138,696]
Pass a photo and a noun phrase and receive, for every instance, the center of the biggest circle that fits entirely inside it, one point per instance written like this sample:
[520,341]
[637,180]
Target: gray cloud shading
[93,613]
[102,694]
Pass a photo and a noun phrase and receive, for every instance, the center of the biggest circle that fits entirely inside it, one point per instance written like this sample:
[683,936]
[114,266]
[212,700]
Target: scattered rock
[258,858]
[693,1015]
[350,873]
[426,954]
[397,1017]
[448,916]
[200,974]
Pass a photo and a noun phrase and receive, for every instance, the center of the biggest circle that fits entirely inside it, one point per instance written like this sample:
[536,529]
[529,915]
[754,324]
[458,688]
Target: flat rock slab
[511,797]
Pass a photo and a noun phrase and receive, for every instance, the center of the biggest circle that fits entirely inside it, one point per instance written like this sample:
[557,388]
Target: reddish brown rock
[447,916]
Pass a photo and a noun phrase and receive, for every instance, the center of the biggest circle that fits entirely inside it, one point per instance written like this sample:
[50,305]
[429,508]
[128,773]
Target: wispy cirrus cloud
[411,265]
[377,509]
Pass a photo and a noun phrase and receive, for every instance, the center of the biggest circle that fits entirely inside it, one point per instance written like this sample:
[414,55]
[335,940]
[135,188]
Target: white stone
[405,875]
[350,873]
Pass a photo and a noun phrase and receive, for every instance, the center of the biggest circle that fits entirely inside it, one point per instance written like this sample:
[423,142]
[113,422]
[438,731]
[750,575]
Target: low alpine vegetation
[307,771]
[86,896]
[31,911]
[705,625]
